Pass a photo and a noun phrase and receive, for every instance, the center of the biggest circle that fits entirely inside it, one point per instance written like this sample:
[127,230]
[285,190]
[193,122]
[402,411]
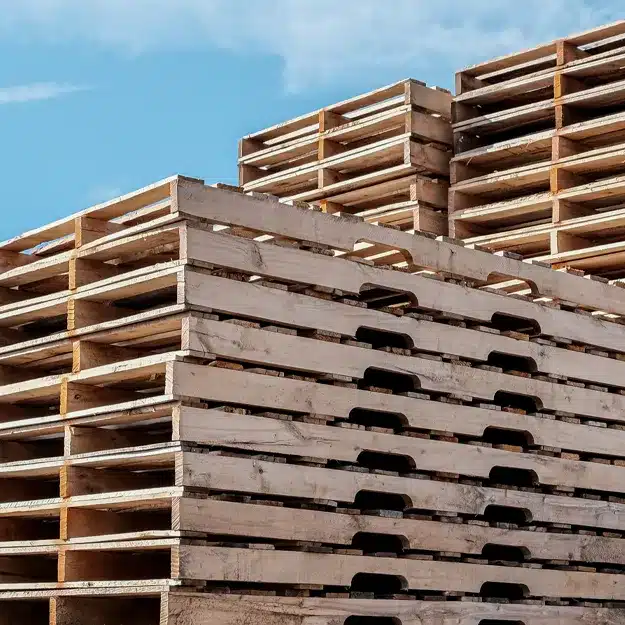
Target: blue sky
[99,97]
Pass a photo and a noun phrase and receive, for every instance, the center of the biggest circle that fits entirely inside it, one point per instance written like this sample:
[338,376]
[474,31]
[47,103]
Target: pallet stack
[217,408]
[539,154]
[383,155]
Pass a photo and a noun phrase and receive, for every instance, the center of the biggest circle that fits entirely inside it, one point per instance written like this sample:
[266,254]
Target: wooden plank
[282,181]
[303,267]
[511,180]
[516,117]
[309,355]
[49,386]
[291,524]
[301,311]
[251,476]
[509,61]
[105,211]
[415,187]
[207,609]
[272,436]
[271,216]
[273,393]
[287,567]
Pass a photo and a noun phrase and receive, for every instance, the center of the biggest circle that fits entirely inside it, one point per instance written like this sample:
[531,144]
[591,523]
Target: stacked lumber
[538,166]
[383,155]
[217,407]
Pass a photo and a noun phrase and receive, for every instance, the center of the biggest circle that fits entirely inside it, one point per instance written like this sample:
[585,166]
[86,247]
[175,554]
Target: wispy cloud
[35,91]
[319,41]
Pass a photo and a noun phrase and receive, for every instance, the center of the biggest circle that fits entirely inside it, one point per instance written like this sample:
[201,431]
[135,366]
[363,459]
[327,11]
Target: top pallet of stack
[142,230]
[539,143]
[377,155]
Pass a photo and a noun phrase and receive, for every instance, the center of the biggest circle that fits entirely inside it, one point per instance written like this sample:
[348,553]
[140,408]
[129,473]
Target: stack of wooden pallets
[383,155]
[539,153]
[219,408]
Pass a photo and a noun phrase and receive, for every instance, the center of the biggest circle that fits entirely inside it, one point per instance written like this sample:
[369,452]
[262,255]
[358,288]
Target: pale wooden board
[206,609]
[301,311]
[275,393]
[278,131]
[510,62]
[400,150]
[309,355]
[108,210]
[299,266]
[287,567]
[289,438]
[244,475]
[49,386]
[398,119]
[269,215]
[282,523]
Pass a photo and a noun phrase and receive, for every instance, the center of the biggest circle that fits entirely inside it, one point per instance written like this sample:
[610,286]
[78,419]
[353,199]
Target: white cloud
[35,91]
[319,41]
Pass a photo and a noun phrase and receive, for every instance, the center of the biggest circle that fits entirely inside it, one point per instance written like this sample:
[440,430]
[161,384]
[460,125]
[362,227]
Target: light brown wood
[207,609]
[289,438]
[285,567]
[268,478]
[308,355]
[273,217]
[258,302]
[306,397]
[304,267]
[282,523]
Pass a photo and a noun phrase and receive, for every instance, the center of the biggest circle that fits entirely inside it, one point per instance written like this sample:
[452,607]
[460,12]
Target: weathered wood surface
[299,266]
[291,438]
[288,567]
[298,396]
[244,475]
[270,216]
[206,337]
[282,524]
[301,311]
[206,609]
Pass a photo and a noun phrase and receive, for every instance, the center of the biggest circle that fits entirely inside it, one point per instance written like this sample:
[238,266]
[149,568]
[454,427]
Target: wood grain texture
[290,438]
[273,217]
[244,475]
[193,609]
[309,355]
[288,567]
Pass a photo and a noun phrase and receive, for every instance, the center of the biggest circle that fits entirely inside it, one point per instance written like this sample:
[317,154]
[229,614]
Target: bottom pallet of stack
[163,605]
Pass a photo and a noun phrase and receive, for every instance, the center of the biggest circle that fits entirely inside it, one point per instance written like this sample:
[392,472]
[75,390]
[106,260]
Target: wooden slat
[273,217]
[259,434]
[206,609]
[285,567]
[309,355]
[252,476]
[307,397]
[255,301]
[290,524]
[304,267]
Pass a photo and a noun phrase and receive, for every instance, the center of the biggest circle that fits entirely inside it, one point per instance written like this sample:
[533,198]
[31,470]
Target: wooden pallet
[544,178]
[188,198]
[170,606]
[383,155]
[292,401]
